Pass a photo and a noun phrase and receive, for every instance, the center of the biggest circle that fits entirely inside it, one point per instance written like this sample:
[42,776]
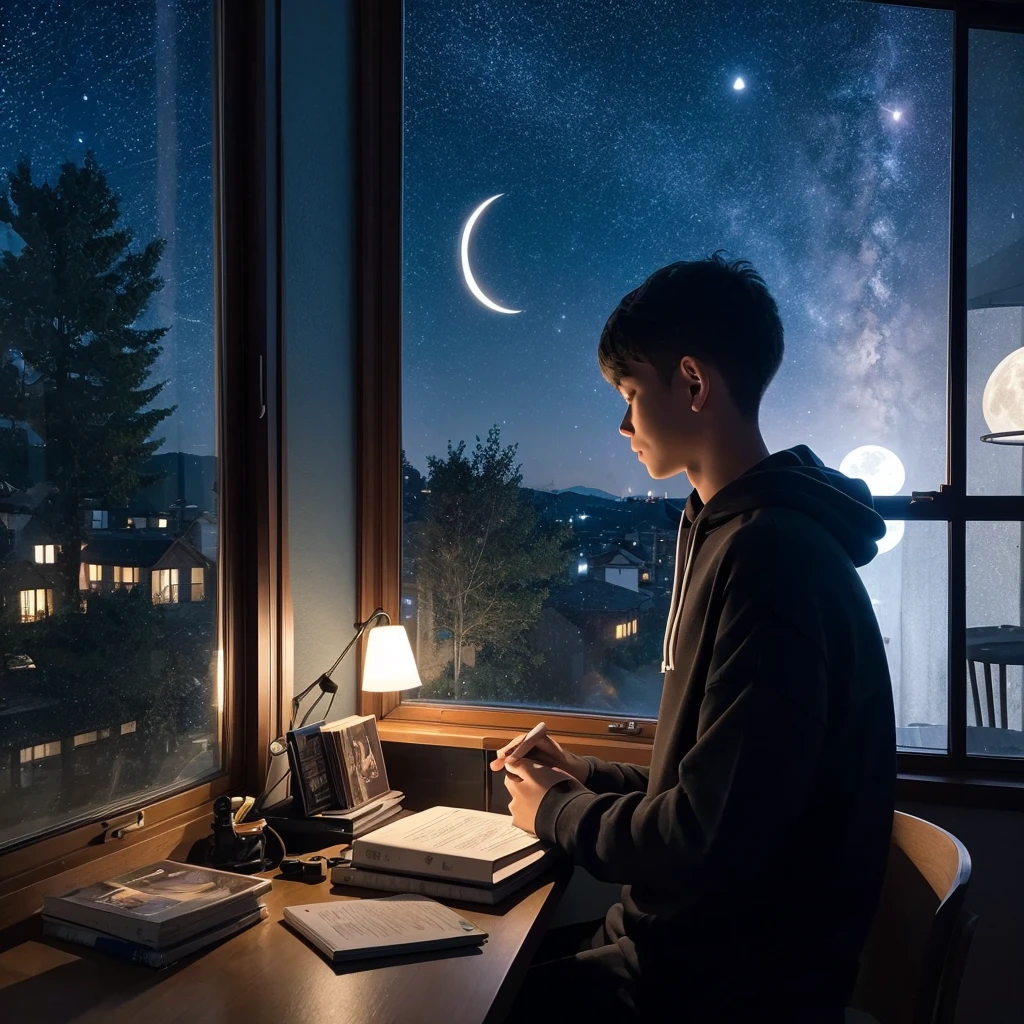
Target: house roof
[590,595]
[616,556]
[128,547]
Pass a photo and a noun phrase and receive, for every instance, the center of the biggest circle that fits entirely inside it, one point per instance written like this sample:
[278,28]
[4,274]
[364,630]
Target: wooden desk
[268,975]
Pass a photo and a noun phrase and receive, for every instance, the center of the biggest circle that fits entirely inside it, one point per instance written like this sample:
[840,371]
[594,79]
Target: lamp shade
[389,663]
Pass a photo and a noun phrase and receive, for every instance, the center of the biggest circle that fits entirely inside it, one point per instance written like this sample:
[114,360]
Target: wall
[318,180]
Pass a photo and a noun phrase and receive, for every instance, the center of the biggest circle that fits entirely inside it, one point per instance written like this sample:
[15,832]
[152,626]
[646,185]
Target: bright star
[896,114]
[739,84]
[84,97]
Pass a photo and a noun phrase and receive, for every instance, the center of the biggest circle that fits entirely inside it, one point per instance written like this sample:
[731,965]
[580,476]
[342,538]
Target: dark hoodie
[752,851]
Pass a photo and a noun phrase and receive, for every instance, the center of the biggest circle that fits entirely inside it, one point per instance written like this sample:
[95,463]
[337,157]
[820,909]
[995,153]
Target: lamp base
[303,835]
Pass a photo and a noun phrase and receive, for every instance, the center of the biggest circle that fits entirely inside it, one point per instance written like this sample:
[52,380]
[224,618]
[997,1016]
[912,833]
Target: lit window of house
[85,737]
[165,586]
[38,751]
[45,554]
[126,575]
[99,519]
[161,524]
[36,604]
[198,585]
[127,727]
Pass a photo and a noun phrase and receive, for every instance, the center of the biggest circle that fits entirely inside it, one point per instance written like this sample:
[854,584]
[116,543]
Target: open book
[389,926]
[445,842]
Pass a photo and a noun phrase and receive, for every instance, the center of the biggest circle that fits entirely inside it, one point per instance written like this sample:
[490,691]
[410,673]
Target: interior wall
[318,232]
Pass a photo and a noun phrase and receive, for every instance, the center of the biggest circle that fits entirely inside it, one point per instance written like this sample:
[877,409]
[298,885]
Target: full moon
[893,535]
[878,467]
[467,271]
[1002,403]
[739,84]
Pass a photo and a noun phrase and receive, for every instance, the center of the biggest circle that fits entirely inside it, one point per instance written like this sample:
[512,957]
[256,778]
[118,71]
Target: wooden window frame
[252,588]
[379,411]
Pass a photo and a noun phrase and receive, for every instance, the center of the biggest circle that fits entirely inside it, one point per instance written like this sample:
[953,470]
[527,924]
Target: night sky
[619,140]
[133,82]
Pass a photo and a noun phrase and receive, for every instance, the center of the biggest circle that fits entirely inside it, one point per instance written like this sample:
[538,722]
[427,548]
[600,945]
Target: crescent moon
[466,270]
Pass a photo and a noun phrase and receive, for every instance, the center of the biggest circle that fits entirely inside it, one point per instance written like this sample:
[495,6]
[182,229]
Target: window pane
[546,174]
[106,406]
[995,639]
[908,586]
[995,259]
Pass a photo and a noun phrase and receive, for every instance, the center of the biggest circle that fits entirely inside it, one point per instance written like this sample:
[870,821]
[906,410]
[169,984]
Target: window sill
[636,750]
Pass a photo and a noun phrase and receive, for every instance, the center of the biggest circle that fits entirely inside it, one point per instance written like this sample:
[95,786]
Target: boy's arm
[612,777]
[740,787]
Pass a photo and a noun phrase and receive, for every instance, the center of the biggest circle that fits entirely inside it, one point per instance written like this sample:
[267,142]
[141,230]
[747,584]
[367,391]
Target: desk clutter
[157,914]
[339,784]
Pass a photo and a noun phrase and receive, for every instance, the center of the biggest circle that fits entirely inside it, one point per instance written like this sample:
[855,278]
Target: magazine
[159,904]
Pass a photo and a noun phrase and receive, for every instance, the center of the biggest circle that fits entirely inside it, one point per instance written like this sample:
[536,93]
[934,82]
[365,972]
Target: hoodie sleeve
[612,777]
[742,784]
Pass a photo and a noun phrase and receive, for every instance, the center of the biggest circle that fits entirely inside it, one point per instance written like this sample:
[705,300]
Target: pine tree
[68,305]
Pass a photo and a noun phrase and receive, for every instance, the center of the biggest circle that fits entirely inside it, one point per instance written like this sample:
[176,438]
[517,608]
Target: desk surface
[268,974]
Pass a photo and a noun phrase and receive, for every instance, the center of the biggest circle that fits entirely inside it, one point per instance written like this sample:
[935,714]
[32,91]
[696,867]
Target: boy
[753,848]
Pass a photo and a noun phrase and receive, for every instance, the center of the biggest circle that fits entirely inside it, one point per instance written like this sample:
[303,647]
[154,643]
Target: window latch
[629,728]
[117,827]
[916,496]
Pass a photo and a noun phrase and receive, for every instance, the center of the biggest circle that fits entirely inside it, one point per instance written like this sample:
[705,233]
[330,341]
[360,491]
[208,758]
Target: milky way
[621,142]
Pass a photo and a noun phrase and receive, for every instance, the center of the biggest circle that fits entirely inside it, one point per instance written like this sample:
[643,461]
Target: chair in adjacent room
[915,954]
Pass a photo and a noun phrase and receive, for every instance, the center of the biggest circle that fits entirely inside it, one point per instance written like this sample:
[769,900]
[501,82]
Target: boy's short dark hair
[717,310]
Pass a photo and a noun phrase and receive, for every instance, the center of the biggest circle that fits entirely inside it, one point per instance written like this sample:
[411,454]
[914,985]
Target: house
[620,568]
[169,568]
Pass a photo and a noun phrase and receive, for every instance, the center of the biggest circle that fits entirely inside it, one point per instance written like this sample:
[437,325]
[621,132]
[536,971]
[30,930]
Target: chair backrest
[907,950]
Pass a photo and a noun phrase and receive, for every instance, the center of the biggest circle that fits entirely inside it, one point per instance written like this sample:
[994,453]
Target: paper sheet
[455,830]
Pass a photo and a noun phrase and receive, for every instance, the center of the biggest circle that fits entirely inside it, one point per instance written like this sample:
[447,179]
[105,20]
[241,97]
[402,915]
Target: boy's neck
[728,456]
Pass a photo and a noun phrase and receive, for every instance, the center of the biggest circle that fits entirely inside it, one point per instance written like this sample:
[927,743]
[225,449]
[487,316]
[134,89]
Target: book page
[368,924]
[456,831]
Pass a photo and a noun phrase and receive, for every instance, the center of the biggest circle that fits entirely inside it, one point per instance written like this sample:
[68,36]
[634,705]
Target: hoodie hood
[792,478]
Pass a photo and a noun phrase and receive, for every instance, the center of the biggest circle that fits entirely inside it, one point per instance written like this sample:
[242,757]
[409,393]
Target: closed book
[309,769]
[445,842]
[161,904]
[374,809]
[506,881]
[125,949]
[391,926]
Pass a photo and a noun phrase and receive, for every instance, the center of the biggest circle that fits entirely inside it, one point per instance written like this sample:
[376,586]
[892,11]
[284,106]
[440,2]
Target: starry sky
[620,142]
[132,80]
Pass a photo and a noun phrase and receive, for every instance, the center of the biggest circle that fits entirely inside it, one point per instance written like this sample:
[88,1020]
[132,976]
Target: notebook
[391,926]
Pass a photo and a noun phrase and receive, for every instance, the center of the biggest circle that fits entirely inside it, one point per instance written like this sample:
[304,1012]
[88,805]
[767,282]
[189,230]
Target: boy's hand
[527,783]
[545,752]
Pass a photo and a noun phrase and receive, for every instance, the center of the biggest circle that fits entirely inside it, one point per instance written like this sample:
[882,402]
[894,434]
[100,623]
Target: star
[739,85]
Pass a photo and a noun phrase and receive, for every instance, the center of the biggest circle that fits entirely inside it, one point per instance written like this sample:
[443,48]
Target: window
[45,554]
[113,365]
[36,604]
[198,584]
[589,167]
[161,524]
[513,254]
[126,575]
[165,586]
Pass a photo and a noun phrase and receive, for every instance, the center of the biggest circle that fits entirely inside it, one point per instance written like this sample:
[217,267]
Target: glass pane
[995,639]
[547,173]
[908,586]
[108,515]
[995,260]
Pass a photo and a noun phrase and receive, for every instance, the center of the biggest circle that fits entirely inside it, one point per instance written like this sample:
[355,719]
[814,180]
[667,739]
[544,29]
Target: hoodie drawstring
[675,611]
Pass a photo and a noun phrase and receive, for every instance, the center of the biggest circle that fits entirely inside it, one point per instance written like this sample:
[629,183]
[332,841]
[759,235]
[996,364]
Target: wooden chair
[915,954]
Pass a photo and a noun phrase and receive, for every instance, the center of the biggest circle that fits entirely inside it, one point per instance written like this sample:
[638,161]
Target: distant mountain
[590,492]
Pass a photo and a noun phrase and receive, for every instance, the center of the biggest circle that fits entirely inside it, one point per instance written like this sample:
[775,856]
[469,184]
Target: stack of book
[339,779]
[448,853]
[157,914]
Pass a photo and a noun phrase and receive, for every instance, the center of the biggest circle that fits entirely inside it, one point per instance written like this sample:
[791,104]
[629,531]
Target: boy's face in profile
[657,419]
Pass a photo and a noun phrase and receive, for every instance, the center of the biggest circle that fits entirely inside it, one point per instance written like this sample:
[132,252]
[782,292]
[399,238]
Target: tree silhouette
[486,557]
[73,367]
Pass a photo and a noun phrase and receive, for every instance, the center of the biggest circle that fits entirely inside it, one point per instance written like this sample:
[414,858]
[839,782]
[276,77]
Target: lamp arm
[361,628]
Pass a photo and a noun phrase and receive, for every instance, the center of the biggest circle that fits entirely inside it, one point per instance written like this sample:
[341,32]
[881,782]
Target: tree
[73,368]
[413,486]
[486,557]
